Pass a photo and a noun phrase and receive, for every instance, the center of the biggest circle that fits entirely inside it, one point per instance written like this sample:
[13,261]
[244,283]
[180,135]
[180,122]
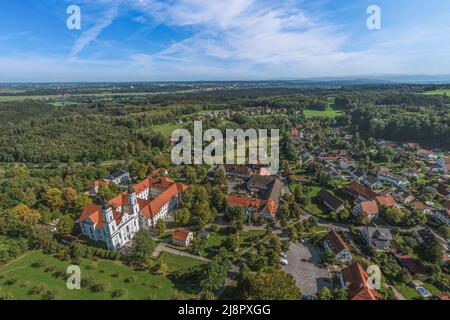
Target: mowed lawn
[328,113]
[167,128]
[24,279]
[438,92]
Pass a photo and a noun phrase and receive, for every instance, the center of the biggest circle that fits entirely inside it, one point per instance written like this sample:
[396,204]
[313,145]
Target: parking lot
[305,265]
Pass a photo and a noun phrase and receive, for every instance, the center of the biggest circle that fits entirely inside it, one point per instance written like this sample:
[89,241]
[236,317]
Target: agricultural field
[438,92]
[329,113]
[167,128]
[37,276]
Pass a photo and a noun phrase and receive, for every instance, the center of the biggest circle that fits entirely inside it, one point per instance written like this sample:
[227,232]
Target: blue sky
[151,40]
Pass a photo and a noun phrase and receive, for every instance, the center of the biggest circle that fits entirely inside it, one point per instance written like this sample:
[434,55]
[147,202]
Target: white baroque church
[117,221]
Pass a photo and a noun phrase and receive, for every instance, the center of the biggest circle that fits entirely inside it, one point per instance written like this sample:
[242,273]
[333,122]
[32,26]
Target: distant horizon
[387,79]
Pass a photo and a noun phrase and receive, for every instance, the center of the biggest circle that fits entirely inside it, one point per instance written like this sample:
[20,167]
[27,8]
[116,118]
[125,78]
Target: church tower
[133,206]
[108,218]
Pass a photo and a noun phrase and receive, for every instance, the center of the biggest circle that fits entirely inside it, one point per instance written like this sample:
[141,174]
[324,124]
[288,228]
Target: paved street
[304,266]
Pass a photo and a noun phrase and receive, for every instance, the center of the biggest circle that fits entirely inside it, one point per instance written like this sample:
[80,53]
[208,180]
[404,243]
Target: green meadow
[37,276]
[438,92]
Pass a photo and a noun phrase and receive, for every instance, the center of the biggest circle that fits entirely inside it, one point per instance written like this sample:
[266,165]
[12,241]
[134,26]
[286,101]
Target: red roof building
[182,237]
[386,201]
[354,281]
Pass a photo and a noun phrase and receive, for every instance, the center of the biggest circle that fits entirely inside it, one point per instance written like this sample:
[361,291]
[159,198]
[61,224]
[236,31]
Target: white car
[284,262]
[283,255]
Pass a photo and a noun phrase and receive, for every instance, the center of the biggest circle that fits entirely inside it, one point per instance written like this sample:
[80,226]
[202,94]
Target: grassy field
[315,210]
[21,98]
[24,279]
[214,242]
[329,113]
[53,97]
[411,293]
[438,92]
[167,128]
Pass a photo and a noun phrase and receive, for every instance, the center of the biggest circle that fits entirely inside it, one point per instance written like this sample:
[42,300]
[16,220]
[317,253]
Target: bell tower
[133,206]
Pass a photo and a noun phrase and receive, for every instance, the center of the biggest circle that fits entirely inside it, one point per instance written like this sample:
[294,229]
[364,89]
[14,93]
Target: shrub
[98,287]
[50,295]
[117,293]
[38,289]
[10,282]
[130,279]
[38,264]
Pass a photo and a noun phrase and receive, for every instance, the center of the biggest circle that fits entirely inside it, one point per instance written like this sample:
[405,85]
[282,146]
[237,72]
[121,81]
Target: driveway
[304,266]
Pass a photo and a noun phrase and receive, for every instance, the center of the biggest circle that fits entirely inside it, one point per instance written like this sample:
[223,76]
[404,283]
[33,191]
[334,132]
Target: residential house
[258,182]
[238,171]
[354,281]
[366,210]
[120,178]
[428,238]
[442,190]
[385,201]
[97,184]
[346,164]
[331,201]
[358,175]
[443,161]
[392,178]
[425,154]
[182,237]
[380,238]
[360,191]
[410,173]
[372,182]
[335,243]
[442,215]
[404,197]
[419,206]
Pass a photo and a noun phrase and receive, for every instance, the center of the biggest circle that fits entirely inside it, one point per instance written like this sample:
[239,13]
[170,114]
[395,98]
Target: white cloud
[13,36]
[91,34]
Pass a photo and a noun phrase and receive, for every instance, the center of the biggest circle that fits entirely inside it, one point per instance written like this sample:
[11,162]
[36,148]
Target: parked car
[283,255]
[284,262]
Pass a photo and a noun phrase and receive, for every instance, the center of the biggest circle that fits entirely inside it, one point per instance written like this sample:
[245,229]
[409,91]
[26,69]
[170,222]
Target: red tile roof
[424,151]
[271,207]
[93,212]
[385,201]
[419,205]
[243,201]
[369,207]
[180,234]
[294,132]
[360,189]
[154,206]
[336,243]
[148,208]
[355,281]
